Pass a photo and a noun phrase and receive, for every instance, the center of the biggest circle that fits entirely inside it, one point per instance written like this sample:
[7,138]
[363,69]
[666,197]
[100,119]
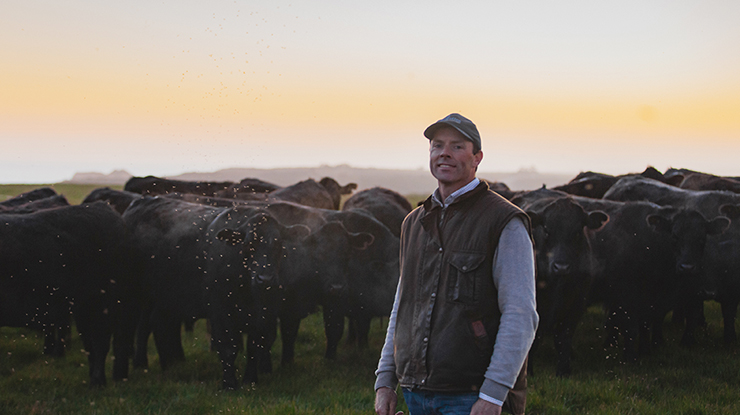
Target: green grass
[33,383]
[701,380]
[704,379]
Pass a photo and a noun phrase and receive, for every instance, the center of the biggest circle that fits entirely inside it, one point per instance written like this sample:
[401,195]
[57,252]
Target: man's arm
[513,276]
[386,381]
[386,372]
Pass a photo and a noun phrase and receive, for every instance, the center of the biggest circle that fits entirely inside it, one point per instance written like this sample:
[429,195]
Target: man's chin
[444,174]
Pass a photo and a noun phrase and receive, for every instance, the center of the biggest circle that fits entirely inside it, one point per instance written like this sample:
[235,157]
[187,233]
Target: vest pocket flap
[466,261]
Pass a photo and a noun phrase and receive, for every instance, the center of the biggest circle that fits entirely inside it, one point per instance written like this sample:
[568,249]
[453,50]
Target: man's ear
[478,157]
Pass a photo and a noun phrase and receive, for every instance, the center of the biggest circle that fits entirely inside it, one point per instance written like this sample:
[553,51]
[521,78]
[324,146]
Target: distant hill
[115,177]
[403,181]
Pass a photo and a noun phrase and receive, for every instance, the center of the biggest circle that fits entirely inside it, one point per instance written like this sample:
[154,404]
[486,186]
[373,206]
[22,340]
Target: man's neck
[445,193]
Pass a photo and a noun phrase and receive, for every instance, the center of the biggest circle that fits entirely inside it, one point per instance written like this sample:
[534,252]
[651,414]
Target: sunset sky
[169,87]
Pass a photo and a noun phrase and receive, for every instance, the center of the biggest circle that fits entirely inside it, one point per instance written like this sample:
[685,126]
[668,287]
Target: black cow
[76,260]
[502,189]
[325,194]
[722,268]
[594,185]
[23,198]
[151,185]
[169,235]
[217,201]
[54,338]
[638,188]
[286,272]
[683,173]
[336,190]
[702,181]
[249,187]
[387,206]
[50,202]
[118,199]
[372,273]
[647,262]
[564,273]
[641,263]
[709,203]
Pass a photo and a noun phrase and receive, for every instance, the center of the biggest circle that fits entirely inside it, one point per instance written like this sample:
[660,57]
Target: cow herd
[139,263]
[142,262]
[641,245]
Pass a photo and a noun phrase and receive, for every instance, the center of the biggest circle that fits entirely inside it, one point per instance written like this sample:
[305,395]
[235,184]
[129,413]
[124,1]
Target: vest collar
[430,204]
[457,193]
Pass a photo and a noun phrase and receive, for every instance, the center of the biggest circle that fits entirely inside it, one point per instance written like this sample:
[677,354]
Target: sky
[167,87]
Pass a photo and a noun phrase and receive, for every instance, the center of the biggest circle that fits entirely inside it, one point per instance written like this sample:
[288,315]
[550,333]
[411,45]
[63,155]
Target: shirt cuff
[489,399]
[386,380]
[495,392]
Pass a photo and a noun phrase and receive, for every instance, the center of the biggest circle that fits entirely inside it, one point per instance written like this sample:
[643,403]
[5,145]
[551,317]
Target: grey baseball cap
[458,122]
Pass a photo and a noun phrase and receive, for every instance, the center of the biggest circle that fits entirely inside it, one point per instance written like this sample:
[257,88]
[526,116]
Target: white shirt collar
[457,193]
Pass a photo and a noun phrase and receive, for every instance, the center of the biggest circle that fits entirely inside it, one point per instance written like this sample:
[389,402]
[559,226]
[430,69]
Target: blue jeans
[434,403]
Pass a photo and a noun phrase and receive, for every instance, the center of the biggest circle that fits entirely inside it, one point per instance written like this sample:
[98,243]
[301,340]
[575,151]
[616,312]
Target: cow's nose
[336,289]
[560,267]
[686,267]
[264,279]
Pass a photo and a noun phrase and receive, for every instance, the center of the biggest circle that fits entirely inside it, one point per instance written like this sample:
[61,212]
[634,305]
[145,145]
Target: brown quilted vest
[448,312]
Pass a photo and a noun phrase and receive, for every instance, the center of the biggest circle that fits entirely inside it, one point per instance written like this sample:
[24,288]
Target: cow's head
[262,240]
[562,243]
[322,258]
[688,231]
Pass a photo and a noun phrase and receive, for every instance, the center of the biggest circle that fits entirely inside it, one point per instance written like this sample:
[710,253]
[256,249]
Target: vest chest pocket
[465,269]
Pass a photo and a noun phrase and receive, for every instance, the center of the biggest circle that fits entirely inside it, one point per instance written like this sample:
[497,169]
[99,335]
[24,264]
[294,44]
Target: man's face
[451,158]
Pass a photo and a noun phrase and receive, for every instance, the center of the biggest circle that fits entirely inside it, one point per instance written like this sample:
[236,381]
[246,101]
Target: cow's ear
[347,189]
[231,236]
[295,232]
[659,223]
[596,219]
[361,240]
[535,218]
[731,211]
[718,225]
[674,180]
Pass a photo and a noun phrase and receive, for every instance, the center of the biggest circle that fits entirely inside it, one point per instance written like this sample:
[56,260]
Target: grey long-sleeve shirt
[513,276]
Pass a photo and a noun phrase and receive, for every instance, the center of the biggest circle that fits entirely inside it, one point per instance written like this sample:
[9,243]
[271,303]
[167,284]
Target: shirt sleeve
[386,373]
[513,276]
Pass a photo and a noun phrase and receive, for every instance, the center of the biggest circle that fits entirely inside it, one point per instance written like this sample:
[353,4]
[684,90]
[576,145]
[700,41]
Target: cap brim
[429,132]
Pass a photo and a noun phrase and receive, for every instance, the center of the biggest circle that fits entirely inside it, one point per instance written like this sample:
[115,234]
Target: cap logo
[453,119]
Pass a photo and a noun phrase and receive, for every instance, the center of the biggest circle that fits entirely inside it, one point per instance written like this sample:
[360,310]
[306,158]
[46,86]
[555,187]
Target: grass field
[701,380]
[704,379]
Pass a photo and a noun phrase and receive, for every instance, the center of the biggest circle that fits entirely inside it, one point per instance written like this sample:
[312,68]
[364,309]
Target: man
[464,316]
